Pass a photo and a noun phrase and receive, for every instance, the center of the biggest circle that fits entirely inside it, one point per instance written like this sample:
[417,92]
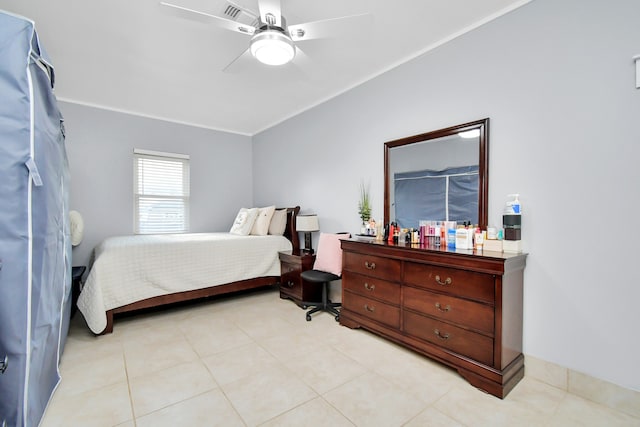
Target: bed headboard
[290,231]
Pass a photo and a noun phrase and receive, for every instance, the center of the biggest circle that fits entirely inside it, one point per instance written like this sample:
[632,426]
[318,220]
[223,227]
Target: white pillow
[261,226]
[244,221]
[278,222]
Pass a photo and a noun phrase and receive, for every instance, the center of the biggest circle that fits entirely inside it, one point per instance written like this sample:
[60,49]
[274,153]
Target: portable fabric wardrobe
[35,249]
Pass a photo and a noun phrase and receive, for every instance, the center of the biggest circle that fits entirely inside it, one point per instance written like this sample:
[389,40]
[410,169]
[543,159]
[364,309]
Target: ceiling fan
[273,42]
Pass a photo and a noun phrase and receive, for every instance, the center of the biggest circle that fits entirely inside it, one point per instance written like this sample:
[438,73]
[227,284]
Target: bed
[137,272]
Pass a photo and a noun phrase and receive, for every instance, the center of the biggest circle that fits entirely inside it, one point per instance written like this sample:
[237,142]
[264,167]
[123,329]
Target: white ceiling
[139,57]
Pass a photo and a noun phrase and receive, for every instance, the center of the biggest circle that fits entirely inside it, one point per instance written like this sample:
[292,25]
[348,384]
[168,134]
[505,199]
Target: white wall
[100,147]
[556,79]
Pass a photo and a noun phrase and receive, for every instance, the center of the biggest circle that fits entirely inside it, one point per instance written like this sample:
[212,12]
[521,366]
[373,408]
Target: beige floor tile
[252,358]
[164,388]
[316,412]
[105,407]
[146,328]
[473,407]
[424,378]
[611,395]
[261,326]
[324,369]
[82,344]
[287,346]
[537,395]
[363,347]
[91,373]
[238,363]
[208,338]
[258,303]
[322,325]
[576,411]
[143,358]
[431,417]
[371,400]
[547,372]
[263,396]
[369,350]
[210,409]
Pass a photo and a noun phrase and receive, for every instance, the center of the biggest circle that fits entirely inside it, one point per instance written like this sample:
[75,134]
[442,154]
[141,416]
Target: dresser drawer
[461,341]
[371,287]
[290,269]
[374,266]
[372,309]
[467,284]
[465,313]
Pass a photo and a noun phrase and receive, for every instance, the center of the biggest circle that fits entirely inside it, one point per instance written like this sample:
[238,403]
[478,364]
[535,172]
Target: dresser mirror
[440,175]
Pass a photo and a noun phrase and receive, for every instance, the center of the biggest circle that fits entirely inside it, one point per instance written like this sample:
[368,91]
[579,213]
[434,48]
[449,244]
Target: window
[161,192]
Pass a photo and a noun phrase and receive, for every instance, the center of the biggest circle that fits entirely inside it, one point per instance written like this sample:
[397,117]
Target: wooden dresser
[461,308]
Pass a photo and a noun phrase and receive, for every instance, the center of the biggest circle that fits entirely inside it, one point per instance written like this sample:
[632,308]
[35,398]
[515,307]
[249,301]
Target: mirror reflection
[440,175]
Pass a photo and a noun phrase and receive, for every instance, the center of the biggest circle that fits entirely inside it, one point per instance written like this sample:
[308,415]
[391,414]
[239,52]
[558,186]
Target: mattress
[128,269]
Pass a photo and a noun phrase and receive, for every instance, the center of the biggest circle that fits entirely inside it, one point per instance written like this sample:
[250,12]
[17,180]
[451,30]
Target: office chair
[326,268]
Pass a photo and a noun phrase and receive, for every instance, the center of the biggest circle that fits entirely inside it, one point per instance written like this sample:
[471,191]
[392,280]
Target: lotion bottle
[513,207]
[479,238]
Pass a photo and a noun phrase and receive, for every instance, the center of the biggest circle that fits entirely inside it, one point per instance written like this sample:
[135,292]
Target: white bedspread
[132,268]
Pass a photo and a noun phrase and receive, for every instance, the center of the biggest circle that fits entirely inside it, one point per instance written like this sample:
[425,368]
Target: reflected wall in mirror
[440,175]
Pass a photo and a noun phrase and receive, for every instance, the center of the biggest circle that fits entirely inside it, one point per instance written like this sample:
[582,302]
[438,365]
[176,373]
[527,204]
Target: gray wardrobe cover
[35,250]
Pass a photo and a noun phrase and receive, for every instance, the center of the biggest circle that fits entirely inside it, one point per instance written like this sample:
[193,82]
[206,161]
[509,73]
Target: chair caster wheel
[304,306]
[308,318]
[337,318]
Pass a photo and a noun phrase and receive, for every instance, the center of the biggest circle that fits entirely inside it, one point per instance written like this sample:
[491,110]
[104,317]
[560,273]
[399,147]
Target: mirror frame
[483,163]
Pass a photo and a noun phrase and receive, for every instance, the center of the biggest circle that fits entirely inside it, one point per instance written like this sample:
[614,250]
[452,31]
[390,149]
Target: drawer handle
[445,309]
[440,335]
[369,287]
[446,282]
[370,265]
[290,284]
[369,309]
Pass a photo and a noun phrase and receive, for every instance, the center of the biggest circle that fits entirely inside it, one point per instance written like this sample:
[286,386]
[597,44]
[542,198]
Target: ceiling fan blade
[237,64]
[333,27]
[270,12]
[302,60]
[212,19]
[308,70]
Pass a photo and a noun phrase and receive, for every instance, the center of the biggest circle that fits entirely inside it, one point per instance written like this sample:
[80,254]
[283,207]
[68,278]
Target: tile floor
[253,360]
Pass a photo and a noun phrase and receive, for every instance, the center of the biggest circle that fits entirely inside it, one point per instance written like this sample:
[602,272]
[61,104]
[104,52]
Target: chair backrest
[329,253]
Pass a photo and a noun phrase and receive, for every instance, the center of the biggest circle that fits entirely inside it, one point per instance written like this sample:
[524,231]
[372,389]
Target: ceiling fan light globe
[272,47]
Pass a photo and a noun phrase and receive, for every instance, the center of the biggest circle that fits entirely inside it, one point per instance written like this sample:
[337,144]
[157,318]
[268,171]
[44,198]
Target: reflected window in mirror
[449,194]
[439,175]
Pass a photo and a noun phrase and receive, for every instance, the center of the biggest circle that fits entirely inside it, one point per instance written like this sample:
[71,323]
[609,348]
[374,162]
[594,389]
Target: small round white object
[272,47]
[76,227]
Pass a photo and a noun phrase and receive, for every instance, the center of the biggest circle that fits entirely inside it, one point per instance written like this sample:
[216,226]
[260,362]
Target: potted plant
[364,205]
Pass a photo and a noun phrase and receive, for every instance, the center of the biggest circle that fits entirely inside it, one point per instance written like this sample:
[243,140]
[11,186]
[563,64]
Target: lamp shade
[307,223]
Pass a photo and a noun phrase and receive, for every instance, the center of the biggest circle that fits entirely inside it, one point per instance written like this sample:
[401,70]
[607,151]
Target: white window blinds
[161,192]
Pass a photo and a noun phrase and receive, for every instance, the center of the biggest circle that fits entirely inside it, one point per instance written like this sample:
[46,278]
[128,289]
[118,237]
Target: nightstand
[291,284]
[76,286]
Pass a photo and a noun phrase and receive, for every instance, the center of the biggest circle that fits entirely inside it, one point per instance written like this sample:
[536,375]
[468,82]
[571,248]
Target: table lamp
[307,224]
